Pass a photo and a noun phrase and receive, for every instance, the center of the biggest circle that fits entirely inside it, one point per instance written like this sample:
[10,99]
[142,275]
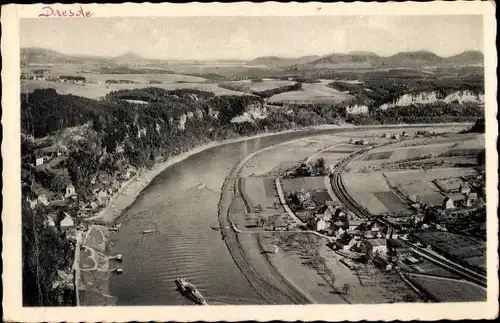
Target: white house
[39,161]
[322,225]
[67,222]
[448,203]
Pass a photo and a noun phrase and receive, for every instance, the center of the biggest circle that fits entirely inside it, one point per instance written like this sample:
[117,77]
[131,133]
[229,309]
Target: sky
[244,37]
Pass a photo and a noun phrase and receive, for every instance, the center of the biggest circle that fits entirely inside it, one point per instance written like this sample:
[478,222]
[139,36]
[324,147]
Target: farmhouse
[354,226]
[464,188]
[39,161]
[66,223]
[448,203]
[376,246]
[471,199]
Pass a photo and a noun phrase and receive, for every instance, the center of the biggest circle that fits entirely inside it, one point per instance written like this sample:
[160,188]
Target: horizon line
[253,58]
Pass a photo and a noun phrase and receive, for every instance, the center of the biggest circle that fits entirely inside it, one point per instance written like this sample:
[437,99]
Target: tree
[320,165]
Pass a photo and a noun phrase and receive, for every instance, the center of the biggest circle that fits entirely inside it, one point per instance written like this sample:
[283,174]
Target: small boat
[149,231]
[189,290]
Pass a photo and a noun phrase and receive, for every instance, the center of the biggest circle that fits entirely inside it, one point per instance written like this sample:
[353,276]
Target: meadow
[250,87]
[312,93]
[95,91]
[449,290]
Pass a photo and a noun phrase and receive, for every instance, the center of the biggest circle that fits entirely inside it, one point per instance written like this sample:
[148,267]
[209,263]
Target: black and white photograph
[225,160]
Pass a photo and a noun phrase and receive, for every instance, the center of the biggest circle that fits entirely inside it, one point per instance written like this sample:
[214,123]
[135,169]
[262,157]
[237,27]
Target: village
[431,226]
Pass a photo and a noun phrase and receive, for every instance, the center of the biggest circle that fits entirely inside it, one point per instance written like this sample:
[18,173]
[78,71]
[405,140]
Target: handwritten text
[48,11]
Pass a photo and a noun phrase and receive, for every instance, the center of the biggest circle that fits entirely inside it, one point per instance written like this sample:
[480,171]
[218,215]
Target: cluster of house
[464,198]
[395,135]
[71,79]
[349,231]
[46,154]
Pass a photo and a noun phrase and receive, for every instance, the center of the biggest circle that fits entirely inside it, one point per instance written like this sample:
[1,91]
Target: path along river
[184,244]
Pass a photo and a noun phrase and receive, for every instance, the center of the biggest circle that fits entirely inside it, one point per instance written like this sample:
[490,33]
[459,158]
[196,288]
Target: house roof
[472,195]
[377,242]
[67,221]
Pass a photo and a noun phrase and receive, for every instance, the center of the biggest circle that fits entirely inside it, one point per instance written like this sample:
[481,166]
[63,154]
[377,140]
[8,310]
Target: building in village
[464,188]
[448,203]
[43,200]
[39,161]
[67,222]
[70,191]
[471,199]
[376,246]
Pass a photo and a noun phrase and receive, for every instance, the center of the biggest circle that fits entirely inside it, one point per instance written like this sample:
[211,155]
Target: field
[320,197]
[379,155]
[95,91]
[392,202]
[311,94]
[454,148]
[463,248]
[258,190]
[249,86]
[307,184]
[363,186]
[449,290]
[413,183]
[285,156]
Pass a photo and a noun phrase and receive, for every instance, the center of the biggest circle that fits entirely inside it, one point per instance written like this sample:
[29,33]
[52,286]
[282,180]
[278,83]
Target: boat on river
[189,290]
[149,231]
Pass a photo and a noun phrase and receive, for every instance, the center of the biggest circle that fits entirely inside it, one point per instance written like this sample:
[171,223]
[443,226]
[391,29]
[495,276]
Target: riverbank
[129,192]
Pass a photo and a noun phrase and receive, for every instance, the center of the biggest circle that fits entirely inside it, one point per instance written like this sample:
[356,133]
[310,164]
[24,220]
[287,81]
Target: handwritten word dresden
[48,11]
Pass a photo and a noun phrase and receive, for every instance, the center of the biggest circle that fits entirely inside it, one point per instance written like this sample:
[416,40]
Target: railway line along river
[183,244]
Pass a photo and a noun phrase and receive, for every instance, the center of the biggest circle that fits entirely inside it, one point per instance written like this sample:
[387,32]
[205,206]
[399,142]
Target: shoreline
[131,190]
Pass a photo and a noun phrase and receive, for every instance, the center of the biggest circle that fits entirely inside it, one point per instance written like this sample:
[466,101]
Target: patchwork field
[307,184]
[283,157]
[449,290]
[464,248]
[363,186]
[312,93]
[249,86]
[418,183]
[260,190]
[95,91]
[456,148]
[392,202]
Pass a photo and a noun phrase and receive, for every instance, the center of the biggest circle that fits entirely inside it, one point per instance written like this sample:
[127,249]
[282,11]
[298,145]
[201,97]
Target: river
[184,244]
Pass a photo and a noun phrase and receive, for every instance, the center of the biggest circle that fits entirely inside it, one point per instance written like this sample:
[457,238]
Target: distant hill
[356,59]
[130,58]
[467,57]
[282,61]
[402,59]
[41,55]
[34,55]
